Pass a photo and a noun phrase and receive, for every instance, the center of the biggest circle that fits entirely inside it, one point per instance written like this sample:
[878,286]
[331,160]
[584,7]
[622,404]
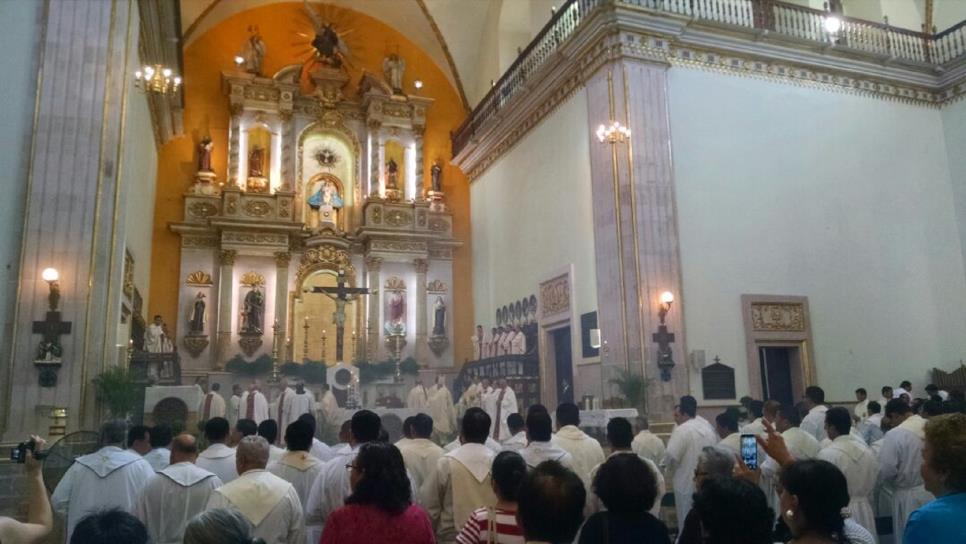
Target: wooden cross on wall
[49,350]
[52,327]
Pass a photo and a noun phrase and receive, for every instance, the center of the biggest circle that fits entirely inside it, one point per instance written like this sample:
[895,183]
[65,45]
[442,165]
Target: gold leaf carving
[555,295]
[777,317]
[252,279]
[257,208]
[395,283]
[436,286]
[199,278]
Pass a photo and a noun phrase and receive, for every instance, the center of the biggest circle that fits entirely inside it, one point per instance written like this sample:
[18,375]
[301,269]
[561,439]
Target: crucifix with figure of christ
[340,294]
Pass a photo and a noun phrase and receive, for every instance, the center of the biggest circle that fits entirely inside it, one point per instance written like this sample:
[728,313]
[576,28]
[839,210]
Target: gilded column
[374,166]
[374,302]
[234,138]
[422,266]
[226,260]
[288,154]
[282,259]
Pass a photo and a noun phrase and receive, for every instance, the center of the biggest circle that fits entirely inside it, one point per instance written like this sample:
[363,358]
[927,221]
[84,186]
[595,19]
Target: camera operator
[39,516]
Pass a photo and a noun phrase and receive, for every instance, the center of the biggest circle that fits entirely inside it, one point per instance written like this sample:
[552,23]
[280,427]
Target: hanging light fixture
[156,79]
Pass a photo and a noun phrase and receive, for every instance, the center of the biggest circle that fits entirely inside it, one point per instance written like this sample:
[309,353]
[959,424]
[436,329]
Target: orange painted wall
[206,113]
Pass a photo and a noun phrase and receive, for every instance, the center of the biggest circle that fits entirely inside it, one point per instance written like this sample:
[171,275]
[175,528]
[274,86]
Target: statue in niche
[436,174]
[396,310]
[253,51]
[393,68]
[439,317]
[196,319]
[326,202]
[204,154]
[392,175]
[254,312]
[330,48]
[256,162]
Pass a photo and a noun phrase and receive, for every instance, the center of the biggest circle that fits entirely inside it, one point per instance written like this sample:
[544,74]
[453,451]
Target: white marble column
[288,145]
[635,225]
[422,348]
[374,302]
[226,260]
[282,259]
[420,183]
[234,147]
[374,157]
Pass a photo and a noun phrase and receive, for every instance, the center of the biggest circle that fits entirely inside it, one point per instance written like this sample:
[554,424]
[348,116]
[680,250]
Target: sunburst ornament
[326,157]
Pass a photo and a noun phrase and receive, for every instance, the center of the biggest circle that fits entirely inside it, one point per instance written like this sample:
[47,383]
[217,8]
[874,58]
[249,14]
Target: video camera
[19,454]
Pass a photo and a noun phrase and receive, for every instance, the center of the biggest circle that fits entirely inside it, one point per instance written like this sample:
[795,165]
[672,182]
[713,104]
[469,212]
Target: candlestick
[305,341]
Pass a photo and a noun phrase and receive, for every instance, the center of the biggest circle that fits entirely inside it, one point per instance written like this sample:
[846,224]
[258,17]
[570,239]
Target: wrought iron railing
[779,18]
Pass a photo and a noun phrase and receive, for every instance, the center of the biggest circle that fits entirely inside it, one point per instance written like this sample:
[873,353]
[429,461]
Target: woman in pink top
[380,508]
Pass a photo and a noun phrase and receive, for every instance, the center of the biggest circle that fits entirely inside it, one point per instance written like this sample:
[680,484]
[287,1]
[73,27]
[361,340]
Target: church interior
[611,203]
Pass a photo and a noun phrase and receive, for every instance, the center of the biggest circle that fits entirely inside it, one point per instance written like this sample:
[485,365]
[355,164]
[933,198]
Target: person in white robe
[620,436]
[506,340]
[487,399]
[856,461]
[506,404]
[268,502]
[302,403]
[300,469]
[900,463]
[283,404]
[646,444]
[480,342]
[586,451]
[871,428]
[154,336]
[494,446]
[861,409]
[518,344]
[492,349]
[254,405]
[176,494]
[814,422]
[320,450]
[159,456]
[419,453]
[540,446]
[687,440]
[418,398]
[329,407]
[218,458]
[108,478]
[212,404]
[442,411]
[800,444]
[461,482]
[233,411]
[268,430]
[518,433]
[471,395]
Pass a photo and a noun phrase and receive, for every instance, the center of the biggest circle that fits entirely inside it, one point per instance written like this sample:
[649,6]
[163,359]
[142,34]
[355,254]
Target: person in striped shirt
[498,525]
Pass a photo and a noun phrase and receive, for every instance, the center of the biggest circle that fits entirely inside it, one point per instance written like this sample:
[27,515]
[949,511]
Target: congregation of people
[824,474]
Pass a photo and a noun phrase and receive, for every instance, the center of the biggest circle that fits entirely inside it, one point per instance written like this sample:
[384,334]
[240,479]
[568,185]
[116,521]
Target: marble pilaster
[234,146]
[374,302]
[223,351]
[420,183]
[374,158]
[282,260]
[420,351]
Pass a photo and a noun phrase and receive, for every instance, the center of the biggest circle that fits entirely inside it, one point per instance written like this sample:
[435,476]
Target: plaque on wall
[588,321]
[718,382]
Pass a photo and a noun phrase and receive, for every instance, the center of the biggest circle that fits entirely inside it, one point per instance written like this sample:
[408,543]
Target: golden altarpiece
[317,184]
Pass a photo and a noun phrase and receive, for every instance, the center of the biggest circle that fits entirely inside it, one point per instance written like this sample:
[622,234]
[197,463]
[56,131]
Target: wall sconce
[52,277]
[663,338]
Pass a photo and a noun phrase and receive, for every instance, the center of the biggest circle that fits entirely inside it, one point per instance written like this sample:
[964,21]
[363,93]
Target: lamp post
[663,338]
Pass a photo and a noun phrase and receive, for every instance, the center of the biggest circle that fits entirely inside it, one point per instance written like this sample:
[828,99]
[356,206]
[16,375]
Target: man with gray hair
[270,503]
[713,462]
[111,477]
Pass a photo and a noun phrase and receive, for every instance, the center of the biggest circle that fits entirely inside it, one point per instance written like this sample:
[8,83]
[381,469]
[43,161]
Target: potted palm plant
[633,388]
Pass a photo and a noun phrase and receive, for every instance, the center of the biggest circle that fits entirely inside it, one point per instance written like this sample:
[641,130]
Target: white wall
[954,128]
[531,216]
[844,199]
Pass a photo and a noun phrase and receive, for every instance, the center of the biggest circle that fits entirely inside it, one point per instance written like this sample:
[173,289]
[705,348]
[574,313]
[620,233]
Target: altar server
[212,404]
[420,453]
[300,469]
[506,404]
[585,450]
[254,405]
[900,462]
[689,437]
[442,410]
[518,343]
[418,398]
[218,458]
[854,458]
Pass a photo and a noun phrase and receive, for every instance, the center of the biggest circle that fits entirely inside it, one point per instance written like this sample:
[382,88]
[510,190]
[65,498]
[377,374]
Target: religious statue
[436,173]
[327,194]
[396,324]
[196,319]
[329,47]
[256,162]
[253,51]
[393,68]
[254,312]
[340,295]
[392,175]
[439,317]
[204,154]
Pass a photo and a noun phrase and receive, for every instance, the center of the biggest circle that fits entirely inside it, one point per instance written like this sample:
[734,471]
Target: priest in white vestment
[814,422]
[487,399]
[108,478]
[494,446]
[212,404]
[283,404]
[900,462]
[861,408]
[646,444]
[160,456]
[418,398]
[518,344]
[268,502]
[419,453]
[506,404]
[300,469]
[540,446]
[461,482]
[688,438]
[471,395]
[302,403]
[506,340]
[480,341]
[620,436]
[518,433]
[856,461]
[268,430]
[441,409]
[586,451]
[254,405]
[320,450]
[154,336]
[176,494]
[218,458]
[800,444]
[492,349]
[329,406]
[233,411]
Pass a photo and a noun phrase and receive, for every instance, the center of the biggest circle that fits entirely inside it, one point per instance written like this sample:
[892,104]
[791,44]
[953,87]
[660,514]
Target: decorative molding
[257,208]
[395,283]
[252,279]
[402,247]
[198,278]
[201,242]
[398,218]
[436,287]
[421,266]
[250,343]
[255,238]
[373,264]
[325,257]
[282,259]
[437,224]
[555,295]
[202,210]
[777,317]
[227,257]
[195,344]
[441,253]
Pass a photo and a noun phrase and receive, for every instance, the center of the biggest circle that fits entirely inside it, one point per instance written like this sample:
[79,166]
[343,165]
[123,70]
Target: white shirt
[683,448]
[259,407]
[504,407]
[219,460]
[108,478]
[321,451]
[859,465]
[420,456]
[648,445]
[586,451]
[538,452]
[158,458]
[516,442]
[814,422]
[216,408]
[900,465]
[174,496]
[268,502]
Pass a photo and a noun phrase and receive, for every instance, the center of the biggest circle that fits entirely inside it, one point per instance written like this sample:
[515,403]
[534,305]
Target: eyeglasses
[350,466]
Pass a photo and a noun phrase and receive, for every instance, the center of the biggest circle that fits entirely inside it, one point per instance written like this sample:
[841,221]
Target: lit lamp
[156,79]
[663,338]
[418,84]
[51,276]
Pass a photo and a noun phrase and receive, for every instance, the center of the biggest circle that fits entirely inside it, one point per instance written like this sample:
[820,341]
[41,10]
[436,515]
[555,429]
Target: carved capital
[422,265]
[373,264]
[282,258]
[227,257]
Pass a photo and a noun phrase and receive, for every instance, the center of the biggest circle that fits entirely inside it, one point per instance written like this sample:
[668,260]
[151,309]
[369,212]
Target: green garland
[316,372]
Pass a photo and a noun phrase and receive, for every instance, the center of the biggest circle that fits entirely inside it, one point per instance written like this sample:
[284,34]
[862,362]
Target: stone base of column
[223,348]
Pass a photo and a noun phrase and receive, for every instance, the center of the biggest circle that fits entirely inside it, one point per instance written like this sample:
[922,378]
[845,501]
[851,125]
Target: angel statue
[393,68]
[329,46]
[253,51]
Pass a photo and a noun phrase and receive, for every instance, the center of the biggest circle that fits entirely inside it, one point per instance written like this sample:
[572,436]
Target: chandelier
[613,133]
[156,79]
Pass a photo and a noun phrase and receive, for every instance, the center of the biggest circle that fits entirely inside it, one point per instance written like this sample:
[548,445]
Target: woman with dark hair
[813,494]
[499,524]
[380,508]
[627,488]
[733,511]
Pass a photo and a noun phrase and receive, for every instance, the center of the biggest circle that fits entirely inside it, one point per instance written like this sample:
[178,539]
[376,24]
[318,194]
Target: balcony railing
[779,18]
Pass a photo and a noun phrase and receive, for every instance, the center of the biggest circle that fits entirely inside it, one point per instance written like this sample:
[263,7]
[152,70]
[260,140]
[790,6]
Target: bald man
[176,494]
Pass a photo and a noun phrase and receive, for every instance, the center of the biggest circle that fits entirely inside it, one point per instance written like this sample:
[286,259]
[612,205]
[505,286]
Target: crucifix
[664,339]
[49,350]
[340,294]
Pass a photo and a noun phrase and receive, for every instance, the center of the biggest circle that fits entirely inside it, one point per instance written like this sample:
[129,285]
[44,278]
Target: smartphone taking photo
[749,451]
